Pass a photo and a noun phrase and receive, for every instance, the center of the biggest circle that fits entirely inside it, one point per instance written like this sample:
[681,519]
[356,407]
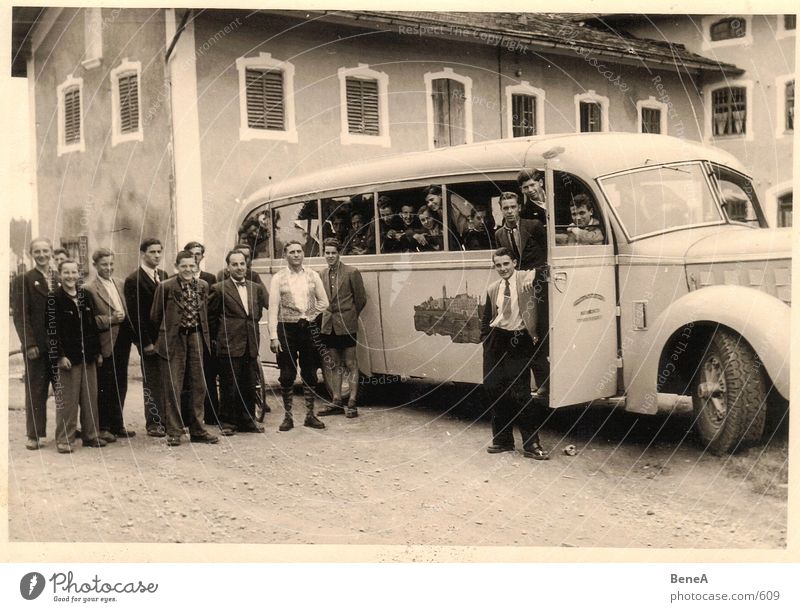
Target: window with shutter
[265,99]
[72,116]
[785,210]
[790,22]
[651,121]
[363,111]
[789,106]
[448,112]
[591,117]
[523,110]
[725,29]
[729,108]
[128,88]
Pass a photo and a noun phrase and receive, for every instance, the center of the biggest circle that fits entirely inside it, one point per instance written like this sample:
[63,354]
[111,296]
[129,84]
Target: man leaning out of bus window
[584,229]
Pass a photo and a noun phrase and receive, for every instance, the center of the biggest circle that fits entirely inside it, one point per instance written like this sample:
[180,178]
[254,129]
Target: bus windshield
[659,199]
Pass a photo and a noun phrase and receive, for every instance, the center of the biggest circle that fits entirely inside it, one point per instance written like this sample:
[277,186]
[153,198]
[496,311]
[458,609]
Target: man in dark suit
[180,315]
[253,277]
[526,239]
[211,413]
[531,183]
[140,287]
[31,293]
[116,338]
[509,336]
[339,328]
[234,310]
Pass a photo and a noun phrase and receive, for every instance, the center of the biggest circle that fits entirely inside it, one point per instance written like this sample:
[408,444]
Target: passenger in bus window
[339,328]
[336,226]
[433,200]
[479,233]
[296,298]
[509,334]
[429,237]
[409,221]
[389,225]
[585,228]
[531,183]
[361,240]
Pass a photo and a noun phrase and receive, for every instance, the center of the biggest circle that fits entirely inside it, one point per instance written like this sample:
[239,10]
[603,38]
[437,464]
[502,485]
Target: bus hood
[757,258]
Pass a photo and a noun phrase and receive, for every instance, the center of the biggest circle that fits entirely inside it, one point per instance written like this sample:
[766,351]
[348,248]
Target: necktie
[155,277]
[514,247]
[507,301]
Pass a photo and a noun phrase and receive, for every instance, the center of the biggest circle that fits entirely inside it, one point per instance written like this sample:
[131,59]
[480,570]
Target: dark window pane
[651,121]
[789,93]
[591,117]
[729,107]
[448,113]
[265,104]
[725,29]
[785,210]
[790,22]
[523,109]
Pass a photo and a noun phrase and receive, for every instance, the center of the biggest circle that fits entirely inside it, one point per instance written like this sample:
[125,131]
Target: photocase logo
[31,585]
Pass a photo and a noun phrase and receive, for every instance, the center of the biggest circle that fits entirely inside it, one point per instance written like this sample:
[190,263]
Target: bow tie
[240,284]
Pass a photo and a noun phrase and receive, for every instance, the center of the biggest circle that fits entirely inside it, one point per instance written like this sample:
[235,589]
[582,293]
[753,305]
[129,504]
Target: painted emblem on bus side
[458,316]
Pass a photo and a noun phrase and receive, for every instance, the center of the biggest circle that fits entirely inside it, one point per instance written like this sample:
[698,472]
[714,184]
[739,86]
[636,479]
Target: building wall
[769,54]
[115,195]
[232,168]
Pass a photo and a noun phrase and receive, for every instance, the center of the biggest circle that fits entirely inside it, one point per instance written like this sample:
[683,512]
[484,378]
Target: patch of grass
[766,469]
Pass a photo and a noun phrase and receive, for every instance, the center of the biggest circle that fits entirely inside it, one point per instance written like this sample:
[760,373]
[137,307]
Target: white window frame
[526,89]
[651,102]
[707,22]
[466,81]
[780,99]
[93,37]
[117,136]
[266,61]
[709,114]
[781,31]
[772,196]
[363,71]
[591,96]
[62,148]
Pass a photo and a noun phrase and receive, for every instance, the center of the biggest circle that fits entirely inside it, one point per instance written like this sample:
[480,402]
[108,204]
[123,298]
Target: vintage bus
[683,302]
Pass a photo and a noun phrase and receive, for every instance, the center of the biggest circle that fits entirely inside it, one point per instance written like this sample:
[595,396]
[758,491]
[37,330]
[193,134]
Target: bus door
[582,292]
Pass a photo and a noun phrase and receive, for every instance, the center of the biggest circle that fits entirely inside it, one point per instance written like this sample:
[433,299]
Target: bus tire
[729,395]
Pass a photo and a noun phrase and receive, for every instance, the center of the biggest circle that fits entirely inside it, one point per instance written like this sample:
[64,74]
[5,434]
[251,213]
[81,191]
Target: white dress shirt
[111,290]
[513,322]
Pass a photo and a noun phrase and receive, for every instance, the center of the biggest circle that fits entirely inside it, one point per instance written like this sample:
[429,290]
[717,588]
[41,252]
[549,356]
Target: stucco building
[159,122]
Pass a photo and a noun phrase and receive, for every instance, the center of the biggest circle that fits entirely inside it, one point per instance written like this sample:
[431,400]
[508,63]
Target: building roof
[586,155]
[552,32]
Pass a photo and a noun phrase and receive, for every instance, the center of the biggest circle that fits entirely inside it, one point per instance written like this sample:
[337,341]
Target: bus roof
[586,155]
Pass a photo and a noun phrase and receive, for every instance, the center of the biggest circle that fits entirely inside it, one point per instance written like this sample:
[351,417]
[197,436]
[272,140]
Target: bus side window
[256,231]
[577,215]
[349,219]
[473,211]
[298,222]
[407,223]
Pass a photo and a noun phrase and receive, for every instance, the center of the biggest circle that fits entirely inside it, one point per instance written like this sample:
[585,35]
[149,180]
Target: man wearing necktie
[531,183]
[509,337]
[234,310]
[526,240]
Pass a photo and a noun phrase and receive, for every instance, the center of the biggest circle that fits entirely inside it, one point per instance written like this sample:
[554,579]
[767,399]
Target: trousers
[38,376]
[297,343]
[76,394]
[183,370]
[112,384]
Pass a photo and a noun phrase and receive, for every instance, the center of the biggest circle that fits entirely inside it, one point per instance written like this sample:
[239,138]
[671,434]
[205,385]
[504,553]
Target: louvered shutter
[128,103]
[265,106]
[72,116]
[363,114]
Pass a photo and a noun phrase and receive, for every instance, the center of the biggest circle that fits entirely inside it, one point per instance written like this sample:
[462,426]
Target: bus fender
[761,319]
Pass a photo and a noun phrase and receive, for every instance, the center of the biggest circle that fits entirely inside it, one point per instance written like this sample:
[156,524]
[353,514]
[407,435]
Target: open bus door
[582,292]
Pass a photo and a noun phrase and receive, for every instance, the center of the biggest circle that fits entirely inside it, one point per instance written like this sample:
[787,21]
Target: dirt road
[415,474]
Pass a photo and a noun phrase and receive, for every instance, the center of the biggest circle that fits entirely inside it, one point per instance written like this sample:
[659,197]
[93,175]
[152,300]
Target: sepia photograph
[399,278]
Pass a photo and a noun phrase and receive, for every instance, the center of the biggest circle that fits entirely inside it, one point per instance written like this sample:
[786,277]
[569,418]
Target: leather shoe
[251,428]
[331,409]
[33,444]
[174,441]
[107,437]
[156,432]
[496,448]
[224,431]
[124,433]
[94,443]
[535,451]
[287,424]
[313,422]
[205,438]
[351,412]
[64,448]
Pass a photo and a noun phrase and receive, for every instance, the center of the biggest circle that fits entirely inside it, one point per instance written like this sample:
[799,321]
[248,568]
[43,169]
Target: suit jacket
[104,307]
[533,239]
[346,301]
[529,210]
[139,292]
[29,301]
[76,329]
[253,277]
[235,330]
[166,316]
[208,277]
[528,307]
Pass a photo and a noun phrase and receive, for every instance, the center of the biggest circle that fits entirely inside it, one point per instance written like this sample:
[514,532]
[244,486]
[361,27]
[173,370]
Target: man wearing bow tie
[32,293]
[234,310]
[526,240]
[140,287]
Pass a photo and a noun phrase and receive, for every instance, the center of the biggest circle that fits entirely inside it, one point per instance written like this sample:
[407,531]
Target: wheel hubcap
[712,389]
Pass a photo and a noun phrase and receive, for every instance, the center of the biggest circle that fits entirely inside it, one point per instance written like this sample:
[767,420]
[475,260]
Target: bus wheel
[729,395]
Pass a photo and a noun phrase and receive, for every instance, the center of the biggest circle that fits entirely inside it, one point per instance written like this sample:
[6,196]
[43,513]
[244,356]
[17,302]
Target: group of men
[190,330]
